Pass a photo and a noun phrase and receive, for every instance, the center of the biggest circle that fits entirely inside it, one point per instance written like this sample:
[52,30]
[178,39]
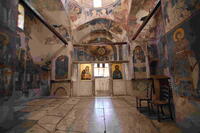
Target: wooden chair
[145,97]
[162,96]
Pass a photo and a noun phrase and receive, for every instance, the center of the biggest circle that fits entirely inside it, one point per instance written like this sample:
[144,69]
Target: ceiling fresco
[99,27]
[82,11]
[97,40]
[89,3]
[139,10]
[122,18]
[115,21]
[53,12]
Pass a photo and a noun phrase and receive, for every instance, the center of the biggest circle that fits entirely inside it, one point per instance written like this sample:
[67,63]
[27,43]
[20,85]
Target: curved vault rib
[113,28]
[99,34]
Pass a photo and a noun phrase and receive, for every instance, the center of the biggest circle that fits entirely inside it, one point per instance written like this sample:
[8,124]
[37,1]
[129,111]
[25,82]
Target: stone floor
[85,115]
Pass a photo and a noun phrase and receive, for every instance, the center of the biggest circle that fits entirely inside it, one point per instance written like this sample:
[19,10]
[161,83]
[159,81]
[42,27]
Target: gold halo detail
[178,34]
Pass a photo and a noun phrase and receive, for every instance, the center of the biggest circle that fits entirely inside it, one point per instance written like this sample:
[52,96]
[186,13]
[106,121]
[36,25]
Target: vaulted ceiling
[115,21]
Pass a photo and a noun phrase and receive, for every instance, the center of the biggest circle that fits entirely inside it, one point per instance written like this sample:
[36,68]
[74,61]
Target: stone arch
[110,26]
[60,91]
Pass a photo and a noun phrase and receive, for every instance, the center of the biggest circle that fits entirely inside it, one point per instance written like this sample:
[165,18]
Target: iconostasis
[86,71]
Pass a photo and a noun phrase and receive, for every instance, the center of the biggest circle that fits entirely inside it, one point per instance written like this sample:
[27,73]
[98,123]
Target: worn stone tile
[59,131]
[89,121]
[167,127]
[36,115]
[87,103]
[30,108]
[72,101]
[38,102]
[125,119]
[119,103]
[49,120]
[57,102]
[22,127]
[85,120]
[49,127]
[48,108]
[130,100]
[36,129]
[61,111]
[27,124]
[92,115]
[67,122]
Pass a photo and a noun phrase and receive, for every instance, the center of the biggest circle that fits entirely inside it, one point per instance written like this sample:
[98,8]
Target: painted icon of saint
[85,74]
[117,74]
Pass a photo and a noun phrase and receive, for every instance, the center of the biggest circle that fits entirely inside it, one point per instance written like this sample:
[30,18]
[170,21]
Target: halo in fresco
[179,34]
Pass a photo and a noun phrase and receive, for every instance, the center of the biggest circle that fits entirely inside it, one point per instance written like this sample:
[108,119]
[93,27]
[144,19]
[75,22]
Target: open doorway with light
[102,79]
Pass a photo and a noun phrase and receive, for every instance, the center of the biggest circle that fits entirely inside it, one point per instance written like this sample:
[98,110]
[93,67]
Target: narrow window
[21,16]
[101,70]
[97,3]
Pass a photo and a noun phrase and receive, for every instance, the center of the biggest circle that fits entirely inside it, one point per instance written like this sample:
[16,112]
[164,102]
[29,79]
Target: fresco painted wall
[176,11]
[23,75]
[184,66]
[175,49]
[176,43]
[8,42]
[33,70]
[139,9]
[181,22]
[139,63]
[101,53]
[62,67]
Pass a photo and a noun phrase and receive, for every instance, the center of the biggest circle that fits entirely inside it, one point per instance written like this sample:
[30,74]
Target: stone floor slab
[90,115]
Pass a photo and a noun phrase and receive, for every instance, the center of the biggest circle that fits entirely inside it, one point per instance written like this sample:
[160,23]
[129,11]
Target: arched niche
[61,67]
[60,91]
[139,63]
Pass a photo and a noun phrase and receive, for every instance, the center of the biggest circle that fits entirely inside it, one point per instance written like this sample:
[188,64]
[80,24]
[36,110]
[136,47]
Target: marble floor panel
[86,115]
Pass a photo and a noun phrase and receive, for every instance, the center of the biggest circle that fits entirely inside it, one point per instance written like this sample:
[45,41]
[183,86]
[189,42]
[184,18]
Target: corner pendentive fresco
[176,11]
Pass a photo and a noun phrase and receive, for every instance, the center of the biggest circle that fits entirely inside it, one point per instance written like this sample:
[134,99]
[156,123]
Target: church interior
[99,66]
